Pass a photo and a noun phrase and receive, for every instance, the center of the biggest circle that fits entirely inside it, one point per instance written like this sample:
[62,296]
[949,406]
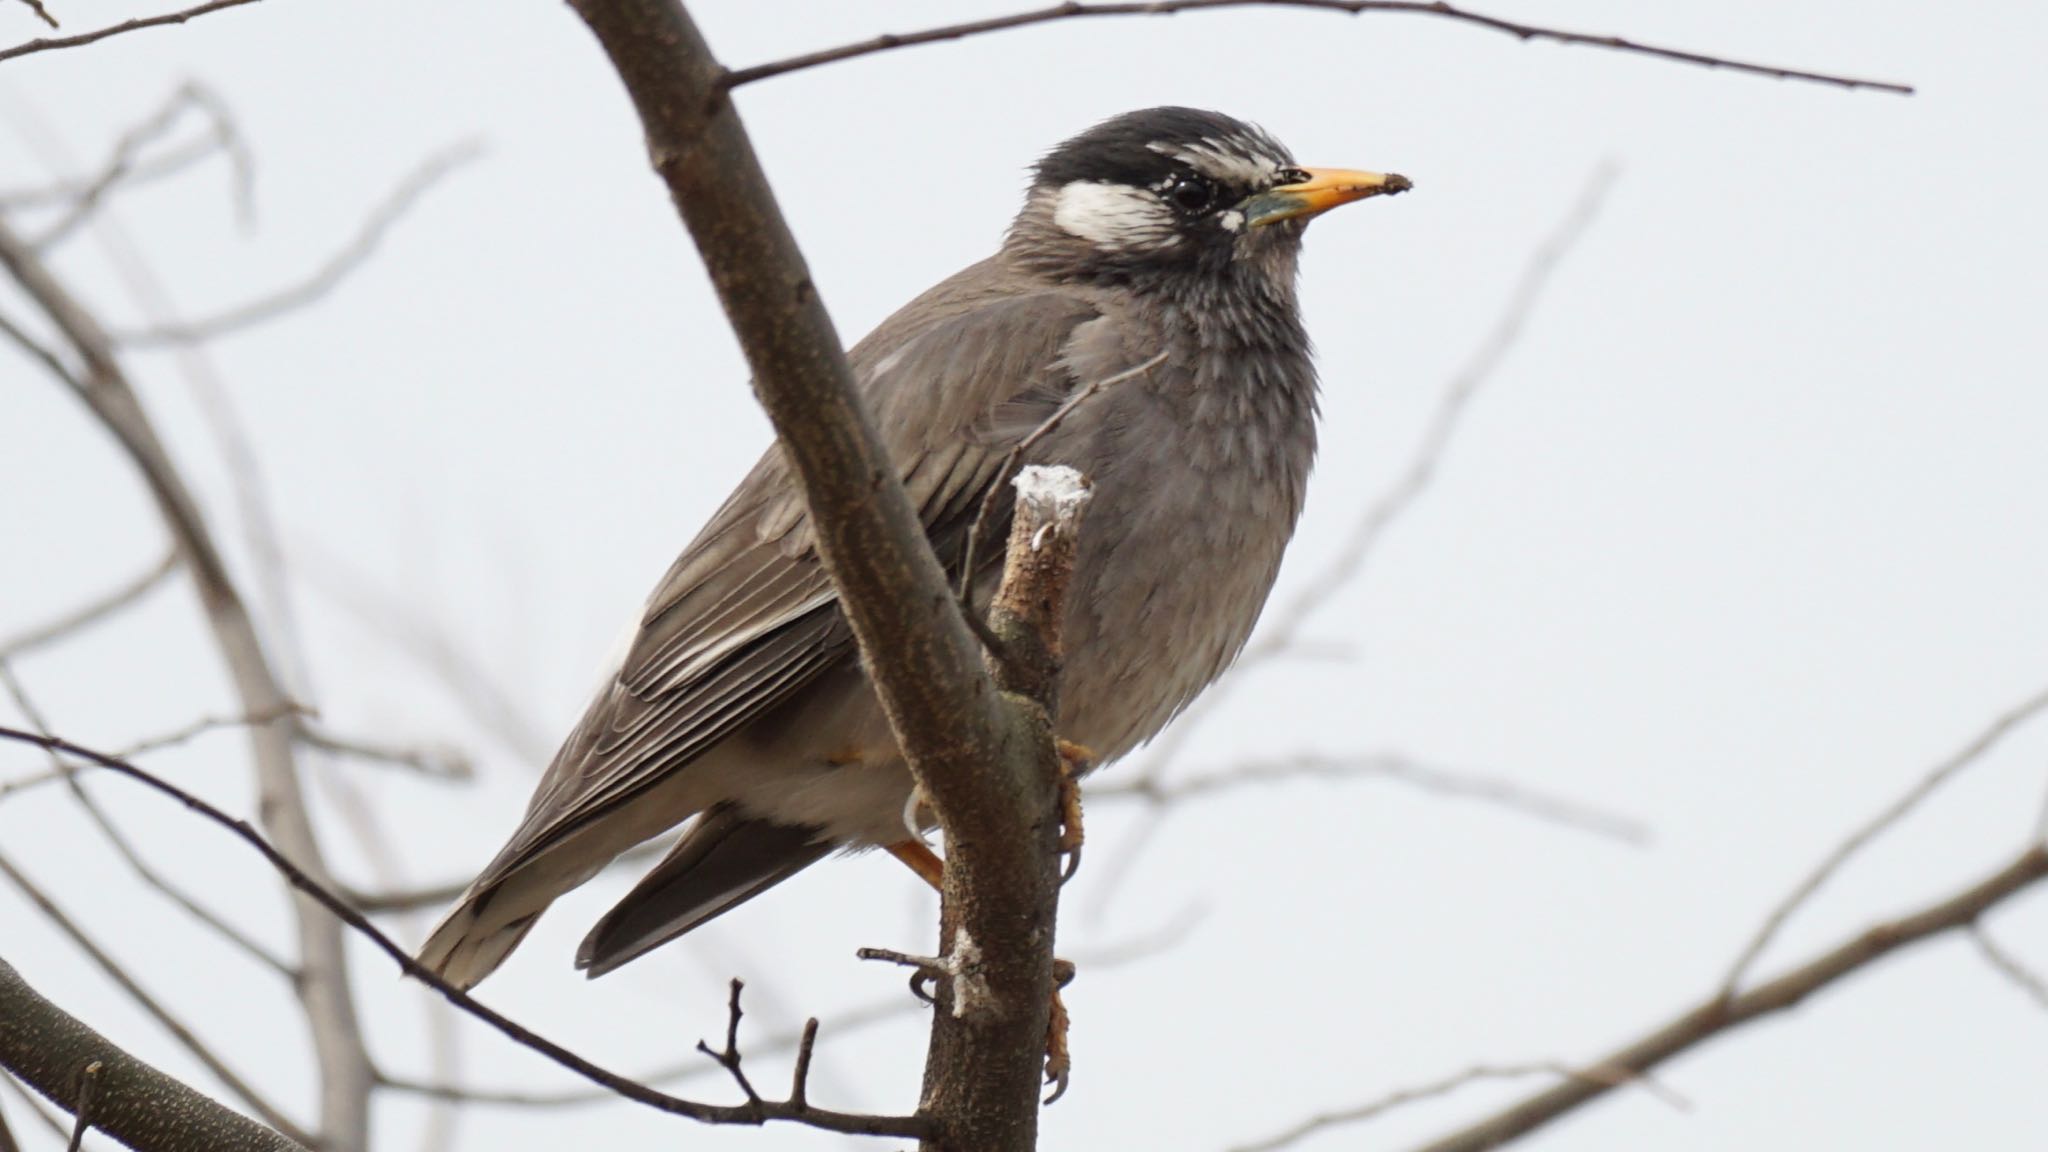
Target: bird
[1166,238]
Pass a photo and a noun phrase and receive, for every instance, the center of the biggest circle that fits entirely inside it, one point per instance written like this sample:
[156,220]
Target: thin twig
[729,1058]
[1970,753]
[2010,966]
[126,26]
[1494,790]
[891,41]
[752,1113]
[68,771]
[986,512]
[159,167]
[42,12]
[188,1039]
[38,351]
[121,166]
[187,733]
[88,1088]
[91,612]
[1115,954]
[1432,1090]
[438,763]
[326,277]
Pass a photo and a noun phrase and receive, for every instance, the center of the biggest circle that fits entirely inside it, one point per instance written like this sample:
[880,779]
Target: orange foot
[1059,1060]
[1075,762]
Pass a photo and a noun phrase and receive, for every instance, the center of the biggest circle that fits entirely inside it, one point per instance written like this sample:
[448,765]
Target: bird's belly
[1167,592]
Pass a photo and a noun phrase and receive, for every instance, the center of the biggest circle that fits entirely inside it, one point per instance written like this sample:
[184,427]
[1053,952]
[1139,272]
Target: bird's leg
[919,858]
[1075,761]
[1059,1062]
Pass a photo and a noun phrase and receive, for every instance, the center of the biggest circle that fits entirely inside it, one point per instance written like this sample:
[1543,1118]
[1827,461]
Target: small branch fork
[729,1057]
[755,1112]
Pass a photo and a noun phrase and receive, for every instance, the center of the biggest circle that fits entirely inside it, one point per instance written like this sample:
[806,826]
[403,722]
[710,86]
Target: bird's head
[1155,196]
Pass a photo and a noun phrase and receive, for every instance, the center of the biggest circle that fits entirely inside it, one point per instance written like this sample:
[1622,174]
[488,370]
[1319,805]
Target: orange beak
[1324,189]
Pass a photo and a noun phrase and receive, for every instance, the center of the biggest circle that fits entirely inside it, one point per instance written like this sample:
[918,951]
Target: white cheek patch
[1114,217]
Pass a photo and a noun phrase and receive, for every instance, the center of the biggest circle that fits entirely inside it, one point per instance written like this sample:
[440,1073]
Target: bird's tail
[501,907]
[476,936]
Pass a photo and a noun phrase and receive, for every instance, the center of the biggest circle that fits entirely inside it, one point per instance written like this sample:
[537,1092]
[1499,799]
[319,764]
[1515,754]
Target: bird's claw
[1075,762]
[1059,1062]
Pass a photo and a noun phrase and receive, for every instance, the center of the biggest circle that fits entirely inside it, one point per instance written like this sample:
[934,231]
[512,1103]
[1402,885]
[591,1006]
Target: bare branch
[324,895]
[91,612]
[2010,966]
[986,766]
[1435,1088]
[1069,11]
[38,351]
[187,733]
[1971,752]
[122,167]
[133,1102]
[729,1057]
[324,278]
[188,1039]
[68,772]
[41,12]
[322,985]
[1504,793]
[1719,1014]
[1113,955]
[438,763]
[88,1090]
[163,166]
[126,26]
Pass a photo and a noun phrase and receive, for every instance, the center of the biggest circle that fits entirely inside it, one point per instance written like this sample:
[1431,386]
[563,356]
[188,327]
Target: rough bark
[981,760]
[48,1049]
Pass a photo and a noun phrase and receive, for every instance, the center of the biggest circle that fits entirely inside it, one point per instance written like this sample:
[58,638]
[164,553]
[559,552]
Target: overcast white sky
[1744,535]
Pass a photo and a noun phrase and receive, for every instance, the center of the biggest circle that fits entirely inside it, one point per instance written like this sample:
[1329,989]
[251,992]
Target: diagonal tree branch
[1069,11]
[126,26]
[132,1101]
[980,759]
[335,906]
[1718,1014]
[92,612]
[1962,758]
[181,1032]
[346,1077]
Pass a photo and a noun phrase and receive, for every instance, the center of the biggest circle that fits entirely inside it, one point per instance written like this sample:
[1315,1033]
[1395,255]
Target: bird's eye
[1191,194]
[1292,176]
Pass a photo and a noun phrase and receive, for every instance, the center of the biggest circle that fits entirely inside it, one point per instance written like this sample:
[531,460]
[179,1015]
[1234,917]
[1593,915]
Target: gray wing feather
[746,615]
